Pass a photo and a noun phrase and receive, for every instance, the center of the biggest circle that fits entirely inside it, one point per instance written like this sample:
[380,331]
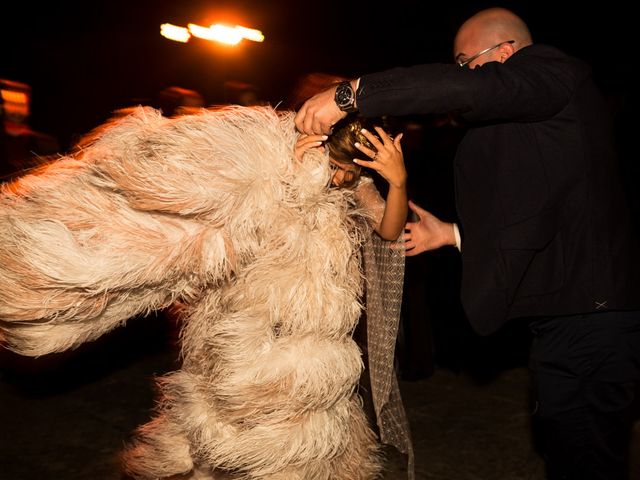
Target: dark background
[83,61]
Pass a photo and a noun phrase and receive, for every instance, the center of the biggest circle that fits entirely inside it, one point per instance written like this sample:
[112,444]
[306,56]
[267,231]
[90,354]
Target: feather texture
[210,210]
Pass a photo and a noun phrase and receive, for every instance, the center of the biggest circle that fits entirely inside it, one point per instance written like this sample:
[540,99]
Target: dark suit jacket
[545,226]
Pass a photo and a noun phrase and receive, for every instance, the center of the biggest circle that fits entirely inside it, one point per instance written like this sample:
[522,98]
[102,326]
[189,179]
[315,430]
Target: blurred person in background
[21,147]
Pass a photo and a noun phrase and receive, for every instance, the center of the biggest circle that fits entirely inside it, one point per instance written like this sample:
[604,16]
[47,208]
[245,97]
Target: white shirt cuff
[456,233]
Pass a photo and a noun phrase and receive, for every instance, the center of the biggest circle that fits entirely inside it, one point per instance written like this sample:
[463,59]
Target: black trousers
[586,371]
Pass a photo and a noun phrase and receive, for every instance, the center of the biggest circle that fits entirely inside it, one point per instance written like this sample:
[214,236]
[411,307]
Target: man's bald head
[488,28]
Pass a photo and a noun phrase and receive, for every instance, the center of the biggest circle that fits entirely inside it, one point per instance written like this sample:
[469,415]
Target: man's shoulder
[546,52]
[552,58]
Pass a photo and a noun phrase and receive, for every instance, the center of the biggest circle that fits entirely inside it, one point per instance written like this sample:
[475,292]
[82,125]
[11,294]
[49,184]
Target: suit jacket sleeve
[534,84]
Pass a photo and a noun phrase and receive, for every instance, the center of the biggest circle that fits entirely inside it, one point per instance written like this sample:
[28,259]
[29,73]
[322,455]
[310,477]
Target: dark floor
[66,417]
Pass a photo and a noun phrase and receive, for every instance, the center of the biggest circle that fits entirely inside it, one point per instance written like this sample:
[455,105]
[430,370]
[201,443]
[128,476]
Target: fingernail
[324,137]
[363,130]
[357,144]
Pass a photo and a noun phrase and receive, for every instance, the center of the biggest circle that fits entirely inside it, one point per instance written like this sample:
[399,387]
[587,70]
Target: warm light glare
[175,33]
[216,32]
[11,96]
[15,103]
[250,33]
[199,31]
[226,34]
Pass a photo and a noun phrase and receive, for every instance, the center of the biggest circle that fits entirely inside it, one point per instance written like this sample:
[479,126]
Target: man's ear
[506,50]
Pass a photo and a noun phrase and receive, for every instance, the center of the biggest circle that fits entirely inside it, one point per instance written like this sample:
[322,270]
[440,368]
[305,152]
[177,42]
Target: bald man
[545,232]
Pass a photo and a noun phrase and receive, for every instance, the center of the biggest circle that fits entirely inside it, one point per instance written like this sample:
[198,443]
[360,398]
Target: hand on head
[386,159]
[305,142]
[319,113]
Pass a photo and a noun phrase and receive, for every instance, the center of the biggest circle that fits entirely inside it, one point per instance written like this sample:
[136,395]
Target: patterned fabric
[384,272]
[384,277]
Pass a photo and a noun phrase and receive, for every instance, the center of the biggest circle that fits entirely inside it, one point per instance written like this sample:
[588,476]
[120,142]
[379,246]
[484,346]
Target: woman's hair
[346,132]
[341,148]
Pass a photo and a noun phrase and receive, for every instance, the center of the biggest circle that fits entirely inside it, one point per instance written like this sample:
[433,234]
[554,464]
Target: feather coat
[212,211]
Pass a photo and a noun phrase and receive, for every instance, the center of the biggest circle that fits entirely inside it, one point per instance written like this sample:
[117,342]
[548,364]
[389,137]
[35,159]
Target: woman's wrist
[400,185]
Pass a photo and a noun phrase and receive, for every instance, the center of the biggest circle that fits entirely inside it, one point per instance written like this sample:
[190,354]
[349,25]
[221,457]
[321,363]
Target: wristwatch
[345,97]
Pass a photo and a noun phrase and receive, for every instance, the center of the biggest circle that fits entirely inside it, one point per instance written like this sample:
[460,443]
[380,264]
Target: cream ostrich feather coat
[210,210]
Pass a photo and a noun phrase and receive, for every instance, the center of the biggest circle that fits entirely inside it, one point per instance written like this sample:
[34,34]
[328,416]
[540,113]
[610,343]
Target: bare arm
[388,161]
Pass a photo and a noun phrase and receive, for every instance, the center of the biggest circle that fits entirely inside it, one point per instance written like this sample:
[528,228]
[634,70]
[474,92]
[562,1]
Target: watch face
[344,95]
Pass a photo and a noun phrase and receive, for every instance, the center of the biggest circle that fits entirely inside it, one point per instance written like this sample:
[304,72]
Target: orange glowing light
[11,96]
[230,35]
[226,34]
[250,33]
[16,103]
[218,33]
[175,33]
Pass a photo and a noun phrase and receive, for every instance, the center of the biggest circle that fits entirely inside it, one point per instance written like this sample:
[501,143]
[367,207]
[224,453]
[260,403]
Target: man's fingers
[410,253]
[300,117]
[326,128]
[308,124]
[418,210]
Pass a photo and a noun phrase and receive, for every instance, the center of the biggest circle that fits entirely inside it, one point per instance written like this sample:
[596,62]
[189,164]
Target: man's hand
[426,234]
[318,114]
